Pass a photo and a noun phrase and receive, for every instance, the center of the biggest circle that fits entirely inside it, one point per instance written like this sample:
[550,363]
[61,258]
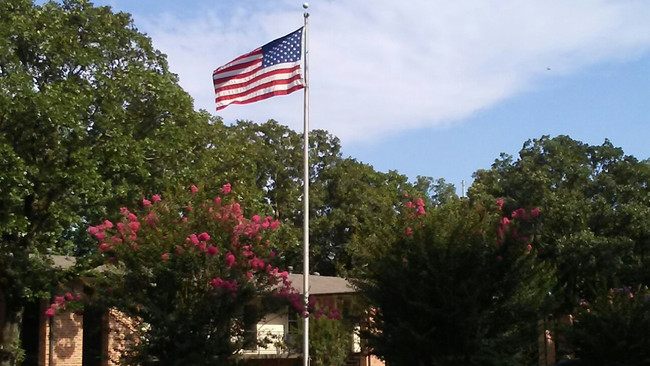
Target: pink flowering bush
[189,268]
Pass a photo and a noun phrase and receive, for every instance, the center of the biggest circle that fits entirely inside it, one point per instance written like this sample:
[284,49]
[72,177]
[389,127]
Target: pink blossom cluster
[417,205]
[504,224]
[225,285]
[236,246]
[60,302]
[416,209]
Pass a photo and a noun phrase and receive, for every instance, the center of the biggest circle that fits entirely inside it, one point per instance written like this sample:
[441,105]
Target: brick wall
[120,335]
[67,340]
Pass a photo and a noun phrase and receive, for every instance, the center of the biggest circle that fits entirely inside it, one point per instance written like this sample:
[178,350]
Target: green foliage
[189,270]
[595,210]
[330,341]
[331,326]
[90,116]
[463,288]
[613,329]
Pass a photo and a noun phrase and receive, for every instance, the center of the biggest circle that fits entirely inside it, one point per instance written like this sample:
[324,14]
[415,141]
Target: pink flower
[204,236]
[68,296]
[499,203]
[155,198]
[188,208]
[134,225]
[184,219]
[103,247]
[152,218]
[420,210]
[505,221]
[100,235]
[194,189]
[419,202]
[230,259]
[164,256]
[249,274]
[108,224]
[520,212]
[409,231]
[49,312]
[132,217]
[59,300]
[529,247]
[217,201]
[534,212]
[146,202]
[226,188]
[92,230]
[274,224]
[256,219]
[212,250]
[193,239]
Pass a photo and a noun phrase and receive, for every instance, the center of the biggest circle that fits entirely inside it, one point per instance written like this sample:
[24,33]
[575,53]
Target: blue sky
[430,87]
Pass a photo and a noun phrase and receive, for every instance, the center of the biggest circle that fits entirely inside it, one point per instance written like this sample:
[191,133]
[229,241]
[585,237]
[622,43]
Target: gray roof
[322,285]
[63,261]
[318,285]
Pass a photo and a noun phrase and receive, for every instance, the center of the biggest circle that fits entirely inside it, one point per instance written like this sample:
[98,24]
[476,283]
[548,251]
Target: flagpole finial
[305,5]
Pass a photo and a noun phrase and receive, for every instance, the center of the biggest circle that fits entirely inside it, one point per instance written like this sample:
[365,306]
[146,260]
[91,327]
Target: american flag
[273,69]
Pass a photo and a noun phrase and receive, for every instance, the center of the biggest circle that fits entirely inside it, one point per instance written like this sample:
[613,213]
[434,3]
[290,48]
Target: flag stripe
[263,95]
[253,77]
[237,69]
[243,92]
[273,69]
[261,88]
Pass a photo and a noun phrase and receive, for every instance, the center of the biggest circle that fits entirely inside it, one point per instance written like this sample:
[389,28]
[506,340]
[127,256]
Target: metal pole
[305,276]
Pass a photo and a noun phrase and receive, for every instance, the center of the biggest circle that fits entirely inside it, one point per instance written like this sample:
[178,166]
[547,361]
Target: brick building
[96,337]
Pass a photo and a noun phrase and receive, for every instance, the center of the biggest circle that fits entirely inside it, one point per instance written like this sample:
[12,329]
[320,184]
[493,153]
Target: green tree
[595,210]
[89,116]
[461,287]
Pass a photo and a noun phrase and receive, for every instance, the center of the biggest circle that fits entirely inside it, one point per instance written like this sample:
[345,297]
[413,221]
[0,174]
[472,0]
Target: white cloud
[379,66]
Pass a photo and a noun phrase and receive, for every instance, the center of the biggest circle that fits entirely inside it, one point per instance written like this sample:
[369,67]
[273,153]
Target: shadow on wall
[66,329]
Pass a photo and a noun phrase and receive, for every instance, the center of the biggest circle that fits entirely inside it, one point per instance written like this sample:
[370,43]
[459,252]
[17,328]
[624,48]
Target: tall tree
[89,116]
[595,209]
[595,213]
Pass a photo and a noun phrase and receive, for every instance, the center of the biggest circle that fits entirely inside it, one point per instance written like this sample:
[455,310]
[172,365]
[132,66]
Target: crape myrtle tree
[595,204]
[194,272]
[90,116]
[461,286]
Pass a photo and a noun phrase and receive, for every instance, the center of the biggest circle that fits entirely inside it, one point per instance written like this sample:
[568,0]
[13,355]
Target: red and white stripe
[243,80]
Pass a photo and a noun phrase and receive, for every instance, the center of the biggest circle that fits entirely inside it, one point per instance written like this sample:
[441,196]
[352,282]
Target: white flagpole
[305,228]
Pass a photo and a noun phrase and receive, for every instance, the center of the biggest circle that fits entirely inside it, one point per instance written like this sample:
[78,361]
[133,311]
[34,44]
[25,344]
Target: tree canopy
[595,204]
[91,117]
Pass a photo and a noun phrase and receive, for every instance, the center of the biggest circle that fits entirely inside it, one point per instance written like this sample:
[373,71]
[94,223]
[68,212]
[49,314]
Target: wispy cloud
[378,66]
